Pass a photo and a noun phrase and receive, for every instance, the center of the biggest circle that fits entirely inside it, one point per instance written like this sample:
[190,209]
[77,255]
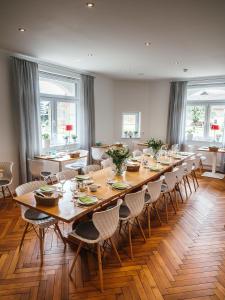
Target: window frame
[55,99]
[137,124]
[207,104]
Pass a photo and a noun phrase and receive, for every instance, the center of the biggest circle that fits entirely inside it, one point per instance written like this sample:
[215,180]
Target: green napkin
[87,200]
[82,177]
[119,185]
[47,188]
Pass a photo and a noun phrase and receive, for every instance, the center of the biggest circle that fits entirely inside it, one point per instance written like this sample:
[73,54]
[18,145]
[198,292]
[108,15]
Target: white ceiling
[191,32]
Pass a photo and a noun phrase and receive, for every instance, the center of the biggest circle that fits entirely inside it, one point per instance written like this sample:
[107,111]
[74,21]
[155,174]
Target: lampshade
[69,127]
[215,127]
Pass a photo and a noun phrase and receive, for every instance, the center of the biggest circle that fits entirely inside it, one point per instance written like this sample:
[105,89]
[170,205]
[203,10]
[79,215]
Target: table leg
[214,156]
[213,174]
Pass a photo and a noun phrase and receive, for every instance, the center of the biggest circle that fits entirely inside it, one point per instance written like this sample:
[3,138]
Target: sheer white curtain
[26,105]
[87,113]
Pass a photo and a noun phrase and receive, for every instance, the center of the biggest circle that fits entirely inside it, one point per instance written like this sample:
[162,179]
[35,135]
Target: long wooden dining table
[68,210]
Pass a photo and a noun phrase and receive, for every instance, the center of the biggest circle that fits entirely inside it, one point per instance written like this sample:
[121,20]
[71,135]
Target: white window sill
[130,138]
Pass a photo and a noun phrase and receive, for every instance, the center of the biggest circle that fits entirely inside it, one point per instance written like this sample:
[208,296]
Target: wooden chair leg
[10,193]
[75,258]
[149,220]
[130,240]
[100,266]
[196,179]
[60,234]
[141,229]
[185,188]
[189,184]
[41,240]
[165,202]
[23,236]
[3,192]
[171,200]
[115,251]
[175,197]
[179,191]
[157,213]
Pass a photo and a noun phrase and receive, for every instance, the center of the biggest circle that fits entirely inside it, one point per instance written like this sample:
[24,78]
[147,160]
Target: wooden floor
[184,259]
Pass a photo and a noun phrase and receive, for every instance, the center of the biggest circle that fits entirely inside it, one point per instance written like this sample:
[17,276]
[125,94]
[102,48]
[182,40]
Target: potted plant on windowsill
[118,155]
[66,138]
[46,140]
[136,134]
[155,145]
[74,138]
[125,134]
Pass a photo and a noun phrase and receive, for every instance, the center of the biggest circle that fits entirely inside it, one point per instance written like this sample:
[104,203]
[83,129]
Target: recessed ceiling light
[90,4]
[21,29]
[147,44]
[90,54]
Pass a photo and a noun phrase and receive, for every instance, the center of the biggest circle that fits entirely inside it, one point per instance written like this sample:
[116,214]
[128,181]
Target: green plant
[190,131]
[135,132]
[74,137]
[155,144]
[125,132]
[98,144]
[118,155]
[45,136]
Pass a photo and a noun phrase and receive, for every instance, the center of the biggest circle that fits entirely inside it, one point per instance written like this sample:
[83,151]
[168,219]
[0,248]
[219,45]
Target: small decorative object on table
[98,144]
[75,154]
[155,145]
[118,155]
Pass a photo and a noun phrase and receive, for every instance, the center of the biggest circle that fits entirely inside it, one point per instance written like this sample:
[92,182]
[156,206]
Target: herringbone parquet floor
[184,259]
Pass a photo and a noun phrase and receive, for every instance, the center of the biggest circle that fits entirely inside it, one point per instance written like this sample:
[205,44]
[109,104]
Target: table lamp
[69,128]
[215,127]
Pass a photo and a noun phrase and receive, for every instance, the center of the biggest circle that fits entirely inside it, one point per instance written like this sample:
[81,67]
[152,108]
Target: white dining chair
[42,169]
[202,159]
[6,177]
[98,153]
[130,212]
[147,151]
[101,228]
[180,172]
[189,163]
[90,168]
[168,188]
[35,219]
[67,174]
[137,153]
[106,163]
[152,196]
[196,166]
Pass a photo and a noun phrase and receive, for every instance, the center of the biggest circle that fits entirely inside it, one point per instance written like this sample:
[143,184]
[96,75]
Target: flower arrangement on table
[155,144]
[118,155]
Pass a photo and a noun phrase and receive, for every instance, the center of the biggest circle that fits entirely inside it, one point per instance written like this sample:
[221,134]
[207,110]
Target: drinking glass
[62,181]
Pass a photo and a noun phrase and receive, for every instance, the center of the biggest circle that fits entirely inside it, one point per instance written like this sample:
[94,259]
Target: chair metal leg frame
[195,177]
[100,266]
[130,240]
[157,213]
[41,240]
[165,202]
[140,228]
[185,187]
[115,251]
[175,197]
[171,200]
[149,220]
[193,180]
[3,192]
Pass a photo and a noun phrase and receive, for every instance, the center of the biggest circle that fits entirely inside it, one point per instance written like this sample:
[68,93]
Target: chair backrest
[135,202]
[90,168]
[36,166]
[171,180]
[179,172]
[97,153]
[146,151]
[107,221]
[68,174]
[106,163]
[196,162]
[137,153]
[7,166]
[154,189]
[189,165]
[28,188]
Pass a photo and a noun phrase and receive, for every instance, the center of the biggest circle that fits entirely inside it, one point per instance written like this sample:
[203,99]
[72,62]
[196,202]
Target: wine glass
[62,181]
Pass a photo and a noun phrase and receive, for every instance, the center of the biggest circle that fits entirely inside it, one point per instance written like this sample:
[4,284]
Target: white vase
[190,136]
[46,143]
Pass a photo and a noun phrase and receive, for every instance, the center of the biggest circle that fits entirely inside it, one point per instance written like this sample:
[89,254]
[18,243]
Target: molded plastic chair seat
[147,197]
[86,230]
[164,188]
[4,182]
[124,212]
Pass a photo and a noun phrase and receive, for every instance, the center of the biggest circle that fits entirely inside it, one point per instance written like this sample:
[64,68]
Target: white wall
[151,98]
[104,109]
[8,147]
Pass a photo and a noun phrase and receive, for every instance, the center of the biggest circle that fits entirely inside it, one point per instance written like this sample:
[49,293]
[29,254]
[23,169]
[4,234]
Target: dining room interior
[112,153]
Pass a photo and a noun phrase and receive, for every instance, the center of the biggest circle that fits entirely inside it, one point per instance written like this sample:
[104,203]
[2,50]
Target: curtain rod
[49,64]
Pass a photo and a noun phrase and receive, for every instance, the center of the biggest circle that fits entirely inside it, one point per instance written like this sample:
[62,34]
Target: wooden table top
[67,211]
[206,149]
[63,158]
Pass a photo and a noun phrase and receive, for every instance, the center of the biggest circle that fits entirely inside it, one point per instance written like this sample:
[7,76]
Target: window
[59,99]
[131,125]
[205,106]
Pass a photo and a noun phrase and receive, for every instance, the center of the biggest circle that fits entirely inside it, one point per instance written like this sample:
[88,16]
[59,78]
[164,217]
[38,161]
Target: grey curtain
[177,109]
[25,80]
[87,139]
